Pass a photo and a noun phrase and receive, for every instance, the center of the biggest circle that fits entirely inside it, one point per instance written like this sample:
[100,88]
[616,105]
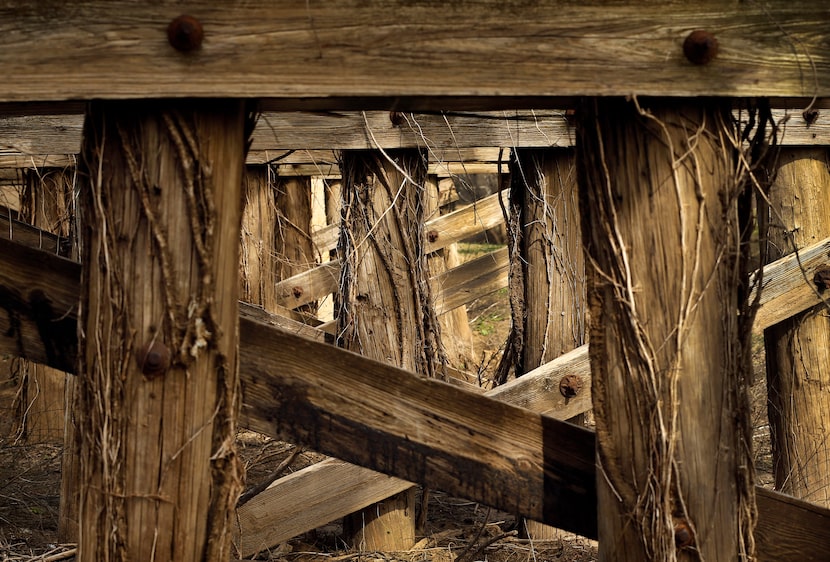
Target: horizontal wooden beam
[336,54]
[306,143]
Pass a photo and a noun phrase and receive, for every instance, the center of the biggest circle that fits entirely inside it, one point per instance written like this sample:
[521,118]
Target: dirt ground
[456,529]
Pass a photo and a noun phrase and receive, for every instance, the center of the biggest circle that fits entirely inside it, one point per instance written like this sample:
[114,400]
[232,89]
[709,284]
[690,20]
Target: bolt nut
[432,236]
[153,359]
[396,117]
[297,291]
[821,278]
[570,385]
[683,535]
[700,47]
[810,115]
[185,33]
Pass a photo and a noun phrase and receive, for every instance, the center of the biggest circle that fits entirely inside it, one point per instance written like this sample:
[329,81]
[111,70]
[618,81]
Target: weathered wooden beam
[290,139]
[789,285]
[395,51]
[523,462]
[31,236]
[308,499]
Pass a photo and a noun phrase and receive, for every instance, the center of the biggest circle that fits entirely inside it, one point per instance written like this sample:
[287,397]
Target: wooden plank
[802,532]
[446,133]
[788,285]
[41,134]
[309,286]
[31,236]
[463,284]
[308,499]
[396,51]
[304,143]
[788,528]
[440,169]
[423,431]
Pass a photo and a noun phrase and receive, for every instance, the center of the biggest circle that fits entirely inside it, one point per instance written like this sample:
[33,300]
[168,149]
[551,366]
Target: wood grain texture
[308,499]
[394,48]
[788,530]
[797,354]
[668,380]
[788,285]
[304,143]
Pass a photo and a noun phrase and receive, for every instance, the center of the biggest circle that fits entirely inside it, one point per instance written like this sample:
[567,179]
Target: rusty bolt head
[153,359]
[821,278]
[810,115]
[185,33]
[432,236]
[297,291]
[396,117]
[700,47]
[683,535]
[570,385]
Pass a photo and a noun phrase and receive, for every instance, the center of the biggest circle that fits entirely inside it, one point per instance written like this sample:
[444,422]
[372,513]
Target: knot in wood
[821,278]
[570,385]
[153,359]
[700,47]
[297,291]
[185,33]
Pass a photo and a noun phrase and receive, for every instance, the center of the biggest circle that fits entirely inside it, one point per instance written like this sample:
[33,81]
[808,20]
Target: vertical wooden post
[385,303]
[797,349]
[158,368]
[257,254]
[295,249]
[667,341]
[458,347]
[549,299]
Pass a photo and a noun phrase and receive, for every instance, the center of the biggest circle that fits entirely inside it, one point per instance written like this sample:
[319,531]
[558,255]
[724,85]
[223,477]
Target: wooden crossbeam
[412,55]
[304,143]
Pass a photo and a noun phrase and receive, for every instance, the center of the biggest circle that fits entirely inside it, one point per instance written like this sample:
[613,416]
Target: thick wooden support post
[669,381]
[797,348]
[385,297]
[158,366]
[549,298]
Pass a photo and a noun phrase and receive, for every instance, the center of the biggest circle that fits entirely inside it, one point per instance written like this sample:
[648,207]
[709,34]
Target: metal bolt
[185,33]
[570,385]
[396,117]
[700,47]
[432,236]
[297,291]
[683,535]
[821,278]
[153,359]
[810,115]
